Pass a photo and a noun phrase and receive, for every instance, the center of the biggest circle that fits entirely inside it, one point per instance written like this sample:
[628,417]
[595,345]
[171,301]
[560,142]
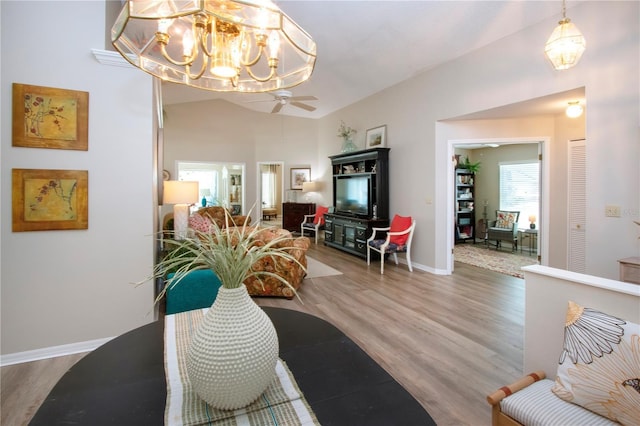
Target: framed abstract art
[44,200]
[299,176]
[46,117]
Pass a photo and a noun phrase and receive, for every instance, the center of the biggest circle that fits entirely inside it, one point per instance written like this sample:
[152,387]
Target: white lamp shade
[180,192]
[574,110]
[310,186]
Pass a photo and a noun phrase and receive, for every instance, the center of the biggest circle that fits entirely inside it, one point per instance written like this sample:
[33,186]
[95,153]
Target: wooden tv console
[350,233]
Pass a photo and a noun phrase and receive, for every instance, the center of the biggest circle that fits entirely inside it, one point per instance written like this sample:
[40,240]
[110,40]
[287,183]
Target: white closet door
[577,198]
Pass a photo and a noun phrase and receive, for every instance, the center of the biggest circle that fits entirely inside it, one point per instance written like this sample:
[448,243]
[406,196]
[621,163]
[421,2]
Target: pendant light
[566,44]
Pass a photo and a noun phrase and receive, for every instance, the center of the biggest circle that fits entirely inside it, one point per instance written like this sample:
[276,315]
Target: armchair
[398,240]
[314,222]
[505,227]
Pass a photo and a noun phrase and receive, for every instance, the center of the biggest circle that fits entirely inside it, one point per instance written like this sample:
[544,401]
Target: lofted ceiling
[364,47]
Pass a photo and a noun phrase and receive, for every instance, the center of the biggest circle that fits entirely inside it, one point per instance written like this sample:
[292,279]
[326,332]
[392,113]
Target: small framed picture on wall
[299,176]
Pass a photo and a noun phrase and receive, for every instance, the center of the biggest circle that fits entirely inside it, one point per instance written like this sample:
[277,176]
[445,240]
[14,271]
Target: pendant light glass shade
[566,43]
[565,46]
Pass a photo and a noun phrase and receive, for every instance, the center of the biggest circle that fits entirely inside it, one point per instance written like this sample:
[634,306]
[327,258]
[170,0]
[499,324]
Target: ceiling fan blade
[258,100]
[276,108]
[303,98]
[303,106]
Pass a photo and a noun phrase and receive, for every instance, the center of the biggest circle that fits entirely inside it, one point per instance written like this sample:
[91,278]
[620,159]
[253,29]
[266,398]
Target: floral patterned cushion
[199,223]
[506,219]
[600,364]
[291,271]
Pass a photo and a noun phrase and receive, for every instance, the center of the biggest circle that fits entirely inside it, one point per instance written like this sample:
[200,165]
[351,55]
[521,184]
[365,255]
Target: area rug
[489,258]
[317,269]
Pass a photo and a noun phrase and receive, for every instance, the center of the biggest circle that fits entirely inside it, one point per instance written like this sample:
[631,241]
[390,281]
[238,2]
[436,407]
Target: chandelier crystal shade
[566,44]
[219,45]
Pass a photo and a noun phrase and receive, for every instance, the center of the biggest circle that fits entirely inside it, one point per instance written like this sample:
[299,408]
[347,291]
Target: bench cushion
[537,405]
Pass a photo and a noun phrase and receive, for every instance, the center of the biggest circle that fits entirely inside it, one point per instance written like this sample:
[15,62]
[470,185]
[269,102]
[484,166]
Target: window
[269,175]
[520,189]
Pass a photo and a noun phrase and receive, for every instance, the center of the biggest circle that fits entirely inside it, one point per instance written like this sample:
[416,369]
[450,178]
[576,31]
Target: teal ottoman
[198,289]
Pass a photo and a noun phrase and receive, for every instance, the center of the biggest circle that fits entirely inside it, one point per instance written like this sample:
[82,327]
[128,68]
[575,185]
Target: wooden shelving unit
[464,226]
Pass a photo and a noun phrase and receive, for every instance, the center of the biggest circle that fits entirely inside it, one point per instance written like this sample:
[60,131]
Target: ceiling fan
[284,97]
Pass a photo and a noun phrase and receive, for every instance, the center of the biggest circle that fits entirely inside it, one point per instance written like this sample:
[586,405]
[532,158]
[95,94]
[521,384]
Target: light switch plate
[612,211]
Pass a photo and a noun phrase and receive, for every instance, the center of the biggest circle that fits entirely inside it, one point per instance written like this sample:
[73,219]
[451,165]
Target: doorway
[488,201]
[220,184]
[270,189]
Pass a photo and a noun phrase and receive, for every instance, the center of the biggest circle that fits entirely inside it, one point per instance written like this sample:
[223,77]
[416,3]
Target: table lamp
[310,187]
[532,219]
[181,194]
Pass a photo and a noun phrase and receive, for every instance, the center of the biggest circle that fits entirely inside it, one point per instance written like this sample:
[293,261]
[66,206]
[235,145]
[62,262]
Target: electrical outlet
[612,211]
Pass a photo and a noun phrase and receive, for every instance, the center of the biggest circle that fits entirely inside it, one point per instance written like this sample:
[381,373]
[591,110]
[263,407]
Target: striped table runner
[281,404]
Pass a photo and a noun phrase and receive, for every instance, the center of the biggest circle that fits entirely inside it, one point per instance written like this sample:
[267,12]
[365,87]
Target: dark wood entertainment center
[349,230]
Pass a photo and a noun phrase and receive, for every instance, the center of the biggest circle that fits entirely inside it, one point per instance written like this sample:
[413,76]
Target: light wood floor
[449,340]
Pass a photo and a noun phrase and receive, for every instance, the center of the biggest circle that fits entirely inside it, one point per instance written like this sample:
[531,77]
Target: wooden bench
[547,292]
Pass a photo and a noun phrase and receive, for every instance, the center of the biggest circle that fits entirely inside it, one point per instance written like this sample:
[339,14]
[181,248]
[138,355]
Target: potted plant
[472,167]
[232,357]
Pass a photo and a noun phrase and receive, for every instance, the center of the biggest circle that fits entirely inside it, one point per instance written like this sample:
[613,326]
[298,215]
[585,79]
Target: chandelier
[219,45]
[566,44]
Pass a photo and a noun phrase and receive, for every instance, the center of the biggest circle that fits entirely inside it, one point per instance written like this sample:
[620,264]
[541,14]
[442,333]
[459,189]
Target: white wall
[223,132]
[62,288]
[513,70]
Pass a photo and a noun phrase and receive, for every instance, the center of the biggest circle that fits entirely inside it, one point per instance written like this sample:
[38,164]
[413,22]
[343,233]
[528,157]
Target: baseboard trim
[52,352]
[424,268]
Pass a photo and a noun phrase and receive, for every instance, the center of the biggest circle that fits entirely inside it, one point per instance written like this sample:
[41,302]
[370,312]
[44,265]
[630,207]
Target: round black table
[123,381]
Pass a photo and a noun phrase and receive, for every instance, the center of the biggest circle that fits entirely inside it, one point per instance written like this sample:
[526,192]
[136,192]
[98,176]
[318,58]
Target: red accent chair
[314,222]
[398,240]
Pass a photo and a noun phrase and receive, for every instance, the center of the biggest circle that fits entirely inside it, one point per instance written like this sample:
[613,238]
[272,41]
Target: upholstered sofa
[216,214]
[264,285]
[291,271]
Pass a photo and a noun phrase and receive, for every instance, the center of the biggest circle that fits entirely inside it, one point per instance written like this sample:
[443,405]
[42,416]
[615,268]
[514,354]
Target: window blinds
[520,189]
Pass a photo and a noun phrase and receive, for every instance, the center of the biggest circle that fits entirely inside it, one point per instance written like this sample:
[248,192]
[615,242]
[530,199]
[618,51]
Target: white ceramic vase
[232,358]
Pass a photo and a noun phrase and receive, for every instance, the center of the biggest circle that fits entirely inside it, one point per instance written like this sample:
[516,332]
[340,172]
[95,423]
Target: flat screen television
[353,195]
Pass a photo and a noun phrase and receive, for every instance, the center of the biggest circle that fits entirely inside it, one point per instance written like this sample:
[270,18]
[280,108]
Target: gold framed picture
[46,117]
[45,200]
